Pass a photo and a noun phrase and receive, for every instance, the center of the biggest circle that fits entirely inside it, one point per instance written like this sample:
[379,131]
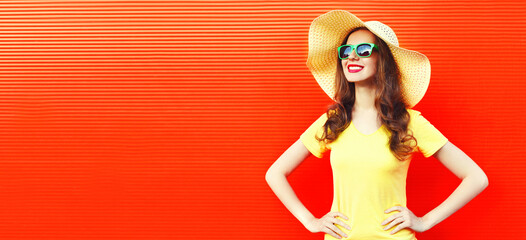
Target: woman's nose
[353,55]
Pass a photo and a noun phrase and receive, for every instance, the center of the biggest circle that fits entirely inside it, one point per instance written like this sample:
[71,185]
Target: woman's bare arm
[474,181]
[276,178]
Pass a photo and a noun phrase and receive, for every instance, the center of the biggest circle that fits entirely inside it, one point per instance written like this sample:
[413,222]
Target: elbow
[479,178]
[269,175]
[483,179]
[272,175]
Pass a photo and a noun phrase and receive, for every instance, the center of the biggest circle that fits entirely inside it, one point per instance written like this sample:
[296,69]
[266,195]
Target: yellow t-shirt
[367,177]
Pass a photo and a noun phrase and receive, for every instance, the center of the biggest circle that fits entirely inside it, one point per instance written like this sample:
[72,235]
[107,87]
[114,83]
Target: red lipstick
[354,70]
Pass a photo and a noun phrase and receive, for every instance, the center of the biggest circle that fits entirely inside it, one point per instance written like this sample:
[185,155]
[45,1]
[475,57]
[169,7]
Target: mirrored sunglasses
[363,50]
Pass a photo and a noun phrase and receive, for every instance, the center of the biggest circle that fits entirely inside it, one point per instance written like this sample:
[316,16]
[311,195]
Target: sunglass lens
[345,51]
[364,50]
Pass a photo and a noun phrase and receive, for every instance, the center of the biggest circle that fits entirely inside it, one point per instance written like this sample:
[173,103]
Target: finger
[345,225]
[338,214]
[394,222]
[341,223]
[399,227]
[393,209]
[330,232]
[342,216]
[391,218]
[337,230]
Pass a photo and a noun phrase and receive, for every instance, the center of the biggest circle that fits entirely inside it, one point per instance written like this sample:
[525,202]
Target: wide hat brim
[326,34]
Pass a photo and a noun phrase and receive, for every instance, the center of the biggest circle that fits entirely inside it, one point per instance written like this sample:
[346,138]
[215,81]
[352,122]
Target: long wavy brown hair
[388,102]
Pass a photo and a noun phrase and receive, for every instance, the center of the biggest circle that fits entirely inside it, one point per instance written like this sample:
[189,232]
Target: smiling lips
[354,68]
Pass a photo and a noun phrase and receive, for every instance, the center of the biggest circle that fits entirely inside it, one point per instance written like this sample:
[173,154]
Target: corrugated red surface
[159,119]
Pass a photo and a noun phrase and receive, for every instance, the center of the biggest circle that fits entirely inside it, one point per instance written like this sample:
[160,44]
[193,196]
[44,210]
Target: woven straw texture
[328,30]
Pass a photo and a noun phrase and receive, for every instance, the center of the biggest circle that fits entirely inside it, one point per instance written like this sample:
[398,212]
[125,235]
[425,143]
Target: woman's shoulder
[413,111]
[414,115]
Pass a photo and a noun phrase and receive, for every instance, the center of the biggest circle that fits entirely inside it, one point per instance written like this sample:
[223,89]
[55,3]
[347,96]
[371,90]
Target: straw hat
[328,31]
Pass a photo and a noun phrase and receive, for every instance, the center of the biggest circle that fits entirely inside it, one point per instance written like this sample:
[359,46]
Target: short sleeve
[308,137]
[429,139]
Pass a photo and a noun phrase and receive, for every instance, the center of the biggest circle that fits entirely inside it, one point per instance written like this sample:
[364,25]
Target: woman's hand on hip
[405,219]
[327,224]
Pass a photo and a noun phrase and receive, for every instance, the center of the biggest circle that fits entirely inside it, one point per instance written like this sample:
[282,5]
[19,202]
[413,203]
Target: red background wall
[159,119]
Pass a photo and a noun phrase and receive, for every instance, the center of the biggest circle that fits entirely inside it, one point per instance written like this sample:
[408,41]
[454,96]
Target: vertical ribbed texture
[158,119]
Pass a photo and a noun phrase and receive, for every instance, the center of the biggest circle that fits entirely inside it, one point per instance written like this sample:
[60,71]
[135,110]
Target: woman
[372,133]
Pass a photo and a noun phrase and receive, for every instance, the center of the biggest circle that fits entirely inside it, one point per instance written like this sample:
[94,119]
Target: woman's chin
[357,80]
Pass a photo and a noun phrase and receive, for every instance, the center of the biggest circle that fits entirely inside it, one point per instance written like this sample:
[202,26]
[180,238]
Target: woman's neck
[364,96]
